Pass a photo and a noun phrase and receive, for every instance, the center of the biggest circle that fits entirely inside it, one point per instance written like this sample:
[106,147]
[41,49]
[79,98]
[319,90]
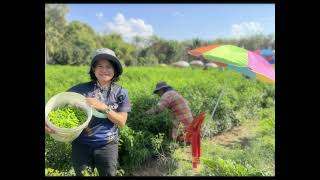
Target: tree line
[72,43]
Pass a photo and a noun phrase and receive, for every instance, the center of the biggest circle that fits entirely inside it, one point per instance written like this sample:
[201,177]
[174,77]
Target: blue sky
[177,21]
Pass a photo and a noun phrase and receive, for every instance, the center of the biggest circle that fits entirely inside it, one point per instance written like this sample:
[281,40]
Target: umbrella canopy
[268,54]
[272,60]
[264,52]
[201,50]
[249,63]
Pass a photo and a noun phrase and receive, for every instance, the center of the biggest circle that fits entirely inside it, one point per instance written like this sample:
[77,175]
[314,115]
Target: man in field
[177,105]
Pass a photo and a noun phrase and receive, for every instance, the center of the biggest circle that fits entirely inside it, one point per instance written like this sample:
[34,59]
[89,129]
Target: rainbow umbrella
[267,54]
[272,60]
[199,51]
[235,58]
[238,59]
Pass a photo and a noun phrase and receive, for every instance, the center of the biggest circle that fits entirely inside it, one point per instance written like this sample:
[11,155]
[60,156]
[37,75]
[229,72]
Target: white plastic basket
[59,100]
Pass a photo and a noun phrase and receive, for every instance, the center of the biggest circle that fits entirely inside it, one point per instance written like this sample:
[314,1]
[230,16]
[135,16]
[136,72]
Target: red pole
[193,136]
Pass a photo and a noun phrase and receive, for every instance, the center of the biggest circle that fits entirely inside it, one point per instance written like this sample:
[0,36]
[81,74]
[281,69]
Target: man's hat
[160,85]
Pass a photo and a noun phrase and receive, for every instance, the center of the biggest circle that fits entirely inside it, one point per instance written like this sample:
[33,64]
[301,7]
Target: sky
[177,21]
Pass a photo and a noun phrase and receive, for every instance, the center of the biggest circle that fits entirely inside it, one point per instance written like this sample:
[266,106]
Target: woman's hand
[48,130]
[118,118]
[96,104]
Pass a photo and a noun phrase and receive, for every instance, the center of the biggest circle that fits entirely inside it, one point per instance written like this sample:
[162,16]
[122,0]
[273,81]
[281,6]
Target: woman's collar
[102,88]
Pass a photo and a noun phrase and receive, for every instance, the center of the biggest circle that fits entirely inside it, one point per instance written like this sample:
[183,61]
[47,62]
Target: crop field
[246,104]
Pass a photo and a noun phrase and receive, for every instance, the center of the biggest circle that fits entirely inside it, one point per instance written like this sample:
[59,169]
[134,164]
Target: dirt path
[150,168]
[240,134]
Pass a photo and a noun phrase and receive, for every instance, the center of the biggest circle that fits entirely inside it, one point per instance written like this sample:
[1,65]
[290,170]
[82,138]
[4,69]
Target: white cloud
[246,29]
[178,14]
[129,28]
[99,15]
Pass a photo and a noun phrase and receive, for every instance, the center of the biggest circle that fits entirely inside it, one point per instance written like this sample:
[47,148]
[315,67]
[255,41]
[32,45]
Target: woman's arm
[118,118]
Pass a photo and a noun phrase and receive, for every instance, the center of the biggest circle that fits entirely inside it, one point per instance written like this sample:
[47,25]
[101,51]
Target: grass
[218,158]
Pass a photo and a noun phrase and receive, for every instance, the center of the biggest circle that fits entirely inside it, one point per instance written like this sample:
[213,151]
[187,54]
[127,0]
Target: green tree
[64,53]
[77,46]
[196,42]
[54,26]
[148,60]
[125,52]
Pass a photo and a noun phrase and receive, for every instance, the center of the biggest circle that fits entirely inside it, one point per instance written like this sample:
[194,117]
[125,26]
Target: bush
[242,100]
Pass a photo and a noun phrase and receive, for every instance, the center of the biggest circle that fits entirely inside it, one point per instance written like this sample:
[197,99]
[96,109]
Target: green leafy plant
[67,116]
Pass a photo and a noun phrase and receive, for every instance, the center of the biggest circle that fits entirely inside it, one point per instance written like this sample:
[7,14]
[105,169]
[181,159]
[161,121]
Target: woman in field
[97,145]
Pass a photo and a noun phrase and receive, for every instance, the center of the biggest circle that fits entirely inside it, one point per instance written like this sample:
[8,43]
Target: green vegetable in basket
[67,117]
